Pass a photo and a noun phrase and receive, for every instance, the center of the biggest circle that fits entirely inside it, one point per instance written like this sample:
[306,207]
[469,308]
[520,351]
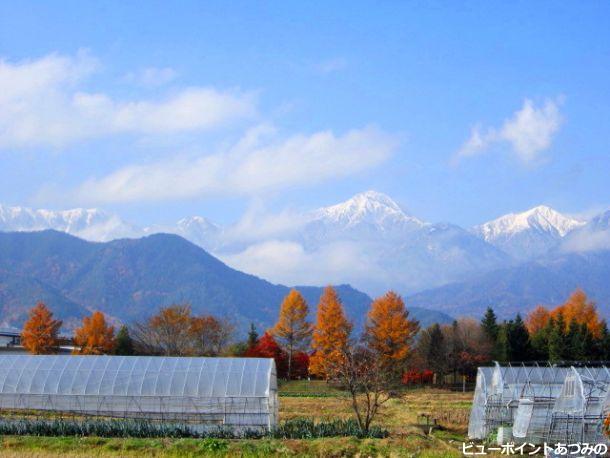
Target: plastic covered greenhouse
[581,407]
[541,403]
[231,392]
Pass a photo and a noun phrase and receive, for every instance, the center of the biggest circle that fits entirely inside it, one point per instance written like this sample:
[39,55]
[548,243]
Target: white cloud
[152,76]
[529,132]
[258,163]
[44,102]
[288,262]
[583,241]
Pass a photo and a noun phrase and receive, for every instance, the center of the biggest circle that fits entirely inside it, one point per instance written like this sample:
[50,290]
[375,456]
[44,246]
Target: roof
[9,331]
[136,376]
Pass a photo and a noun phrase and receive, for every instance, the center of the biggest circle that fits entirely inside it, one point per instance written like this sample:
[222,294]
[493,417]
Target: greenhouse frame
[580,409]
[239,393]
[540,403]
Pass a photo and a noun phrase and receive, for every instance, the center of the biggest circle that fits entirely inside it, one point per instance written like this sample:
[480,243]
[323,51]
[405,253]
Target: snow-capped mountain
[529,234]
[369,215]
[91,224]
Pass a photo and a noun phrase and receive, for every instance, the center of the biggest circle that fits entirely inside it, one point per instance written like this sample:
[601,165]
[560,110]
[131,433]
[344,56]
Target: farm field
[298,400]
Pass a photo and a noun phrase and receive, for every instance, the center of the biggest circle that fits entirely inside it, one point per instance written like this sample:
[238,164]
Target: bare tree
[362,373]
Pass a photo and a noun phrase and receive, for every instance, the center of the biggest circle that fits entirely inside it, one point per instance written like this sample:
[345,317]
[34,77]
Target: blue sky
[459,111]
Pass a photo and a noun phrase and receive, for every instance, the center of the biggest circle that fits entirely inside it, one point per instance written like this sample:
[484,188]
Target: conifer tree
[557,341]
[437,351]
[575,349]
[292,328]
[40,332]
[490,325]
[124,343]
[331,334]
[519,341]
[252,336]
[503,349]
[540,341]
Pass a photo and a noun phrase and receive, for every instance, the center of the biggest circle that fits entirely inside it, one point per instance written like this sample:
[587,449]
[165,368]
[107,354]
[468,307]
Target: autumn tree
[40,332]
[95,336]
[267,347]
[167,333]
[292,328]
[580,309]
[389,333]
[331,334]
[210,335]
[537,319]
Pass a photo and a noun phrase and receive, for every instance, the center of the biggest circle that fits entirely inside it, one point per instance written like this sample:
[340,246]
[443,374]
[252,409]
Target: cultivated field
[298,400]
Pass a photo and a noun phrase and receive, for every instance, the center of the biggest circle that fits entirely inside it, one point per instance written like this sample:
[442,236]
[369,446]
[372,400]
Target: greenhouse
[238,393]
[476,422]
[541,403]
[580,409]
[509,385]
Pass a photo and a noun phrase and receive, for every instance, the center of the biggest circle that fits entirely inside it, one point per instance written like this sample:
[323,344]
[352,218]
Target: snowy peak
[370,207]
[90,224]
[529,234]
[541,219]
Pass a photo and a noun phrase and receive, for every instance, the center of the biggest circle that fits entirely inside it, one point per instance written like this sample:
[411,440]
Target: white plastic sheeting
[541,403]
[579,411]
[476,422]
[230,391]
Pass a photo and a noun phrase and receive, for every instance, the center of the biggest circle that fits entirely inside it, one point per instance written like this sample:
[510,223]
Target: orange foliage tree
[537,319]
[389,332]
[292,328]
[95,336]
[171,329]
[580,309]
[330,338]
[39,335]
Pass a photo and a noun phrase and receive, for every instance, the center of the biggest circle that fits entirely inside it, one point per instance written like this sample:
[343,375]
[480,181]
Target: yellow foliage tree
[39,335]
[292,329]
[94,337]
[330,338]
[389,332]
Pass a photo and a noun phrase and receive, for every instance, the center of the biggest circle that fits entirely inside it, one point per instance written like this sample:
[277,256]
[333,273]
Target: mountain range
[130,279]
[371,243]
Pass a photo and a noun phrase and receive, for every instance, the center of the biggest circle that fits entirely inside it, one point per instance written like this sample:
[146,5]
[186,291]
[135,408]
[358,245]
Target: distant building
[10,337]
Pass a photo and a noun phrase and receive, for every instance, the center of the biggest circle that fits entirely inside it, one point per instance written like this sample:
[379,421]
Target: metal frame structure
[540,404]
[579,412]
[232,392]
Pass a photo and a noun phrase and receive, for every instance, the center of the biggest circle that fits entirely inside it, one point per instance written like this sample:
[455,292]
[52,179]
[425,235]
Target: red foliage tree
[267,347]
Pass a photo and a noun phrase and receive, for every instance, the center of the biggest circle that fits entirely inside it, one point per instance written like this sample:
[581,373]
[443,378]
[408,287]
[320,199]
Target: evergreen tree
[252,336]
[520,347]
[574,349]
[557,340]
[540,341]
[503,349]
[602,344]
[588,343]
[490,326]
[124,343]
[437,351]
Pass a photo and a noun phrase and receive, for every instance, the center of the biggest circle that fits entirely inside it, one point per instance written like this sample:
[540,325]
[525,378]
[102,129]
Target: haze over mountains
[371,243]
